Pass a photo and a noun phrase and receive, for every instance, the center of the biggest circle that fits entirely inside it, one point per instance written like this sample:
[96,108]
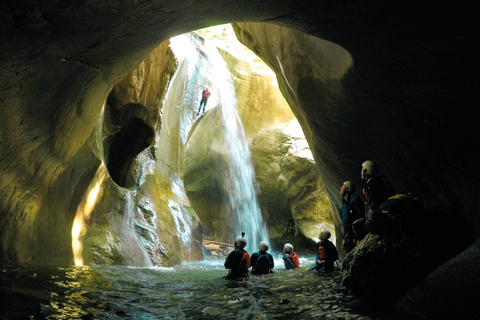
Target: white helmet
[370,168]
[241,242]
[349,187]
[325,234]
[263,246]
[288,247]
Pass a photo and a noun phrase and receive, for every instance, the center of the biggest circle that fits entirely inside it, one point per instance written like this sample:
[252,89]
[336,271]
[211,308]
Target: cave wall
[407,102]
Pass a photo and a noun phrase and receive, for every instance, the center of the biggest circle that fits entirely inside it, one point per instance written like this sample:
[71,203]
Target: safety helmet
[325,234]
[370,168]
[263,246]
[349,186]
[241,242]
[288,247]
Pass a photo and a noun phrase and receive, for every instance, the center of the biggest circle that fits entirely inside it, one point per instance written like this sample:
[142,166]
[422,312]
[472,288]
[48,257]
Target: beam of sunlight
[83,213]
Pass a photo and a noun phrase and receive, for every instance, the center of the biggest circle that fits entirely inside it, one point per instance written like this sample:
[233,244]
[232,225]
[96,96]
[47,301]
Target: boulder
[292,197]
[406,242]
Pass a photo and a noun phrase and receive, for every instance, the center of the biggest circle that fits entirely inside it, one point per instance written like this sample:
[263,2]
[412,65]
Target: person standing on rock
[238,261]
[376,190]
[327,253]
[290,258]
[352,210]
[205,96]
[261,261]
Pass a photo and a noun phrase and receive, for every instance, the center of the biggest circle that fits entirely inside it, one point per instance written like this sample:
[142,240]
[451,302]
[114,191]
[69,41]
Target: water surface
[189,291]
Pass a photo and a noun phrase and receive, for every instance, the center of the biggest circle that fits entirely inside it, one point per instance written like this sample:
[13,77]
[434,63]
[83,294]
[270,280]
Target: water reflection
[189,291]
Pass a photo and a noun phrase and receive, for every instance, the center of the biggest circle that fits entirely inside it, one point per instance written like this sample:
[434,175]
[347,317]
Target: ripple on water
[189,291]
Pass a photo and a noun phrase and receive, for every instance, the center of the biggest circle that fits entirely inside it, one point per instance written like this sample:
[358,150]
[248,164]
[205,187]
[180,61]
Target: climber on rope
[261,261]
[352,210]
[238,261]
[327,253]
[205,96]
[290,258]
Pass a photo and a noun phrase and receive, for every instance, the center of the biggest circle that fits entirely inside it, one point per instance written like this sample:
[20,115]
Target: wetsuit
[205,96]
[377,190]
[238,267]
[290,259]
[254,259]
[331,254]
[352,210]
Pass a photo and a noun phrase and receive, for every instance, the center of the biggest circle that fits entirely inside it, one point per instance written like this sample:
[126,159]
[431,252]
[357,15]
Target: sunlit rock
[310,72]
[152,222]
[292,196]
[259,100]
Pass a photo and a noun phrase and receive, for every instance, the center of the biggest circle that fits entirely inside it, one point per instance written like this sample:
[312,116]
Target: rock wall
[293,199]
[142,216]
[330,91]
[407,102]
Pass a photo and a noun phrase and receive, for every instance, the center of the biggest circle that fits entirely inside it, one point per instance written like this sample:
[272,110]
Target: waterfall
[133,244]
[206,68]
[240,180]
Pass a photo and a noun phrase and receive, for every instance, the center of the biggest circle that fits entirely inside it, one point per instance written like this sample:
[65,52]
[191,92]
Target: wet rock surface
[406,242]
[292,196]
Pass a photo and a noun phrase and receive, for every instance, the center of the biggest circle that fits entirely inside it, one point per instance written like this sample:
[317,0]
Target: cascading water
[239,181]
[133,247]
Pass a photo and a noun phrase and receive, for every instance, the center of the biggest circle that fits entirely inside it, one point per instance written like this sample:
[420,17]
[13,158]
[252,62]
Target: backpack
[262,265]
[206,94]
[245,262]
[322,255]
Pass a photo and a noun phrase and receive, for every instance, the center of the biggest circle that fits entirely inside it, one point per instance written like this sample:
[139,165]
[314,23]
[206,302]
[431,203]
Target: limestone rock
[406,244]
[259,100]
[292,196]
[154,224]
[205,168]
[459,278]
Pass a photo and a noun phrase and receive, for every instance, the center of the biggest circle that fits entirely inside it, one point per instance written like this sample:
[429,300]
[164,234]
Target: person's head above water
[263,246]
[325,234]
[241,242]
[287,248]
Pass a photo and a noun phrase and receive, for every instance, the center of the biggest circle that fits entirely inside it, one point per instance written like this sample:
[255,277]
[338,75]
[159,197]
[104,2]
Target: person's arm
[232,260]
[272,262]
[331,252]
[359,207]
[253,259]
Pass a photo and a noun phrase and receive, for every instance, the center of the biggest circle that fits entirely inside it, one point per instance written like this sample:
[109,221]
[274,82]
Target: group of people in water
[376,190]
[239,261]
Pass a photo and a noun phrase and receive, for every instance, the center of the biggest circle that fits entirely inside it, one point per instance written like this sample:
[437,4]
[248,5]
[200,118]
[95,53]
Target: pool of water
[188,291]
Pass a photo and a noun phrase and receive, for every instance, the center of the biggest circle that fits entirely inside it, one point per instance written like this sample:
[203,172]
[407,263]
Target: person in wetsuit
[352,210]
[290,258]
[327,253]
[238,261]
[261,261]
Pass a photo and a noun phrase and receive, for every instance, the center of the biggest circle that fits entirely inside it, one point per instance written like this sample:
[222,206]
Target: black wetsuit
[254,259]
[377,190]
[233,262]
[331,255]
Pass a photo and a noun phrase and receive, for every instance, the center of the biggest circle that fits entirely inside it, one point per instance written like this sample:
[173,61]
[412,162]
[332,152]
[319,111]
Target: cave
[405,100]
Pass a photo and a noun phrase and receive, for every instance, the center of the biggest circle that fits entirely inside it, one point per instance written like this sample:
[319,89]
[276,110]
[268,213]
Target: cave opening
[305,210]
